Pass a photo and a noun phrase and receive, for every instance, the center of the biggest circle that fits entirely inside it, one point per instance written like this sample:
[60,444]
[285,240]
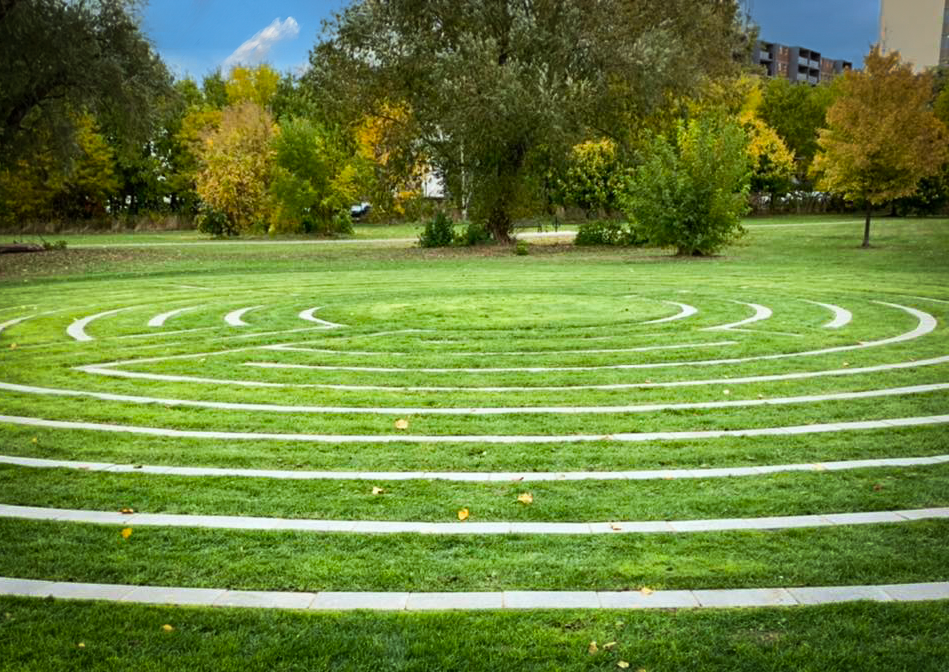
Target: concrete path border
[474,477]
[466,527]
[469,601]
[623,437]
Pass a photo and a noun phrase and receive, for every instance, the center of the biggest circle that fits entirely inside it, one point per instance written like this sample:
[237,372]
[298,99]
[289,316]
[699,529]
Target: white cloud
[255,50]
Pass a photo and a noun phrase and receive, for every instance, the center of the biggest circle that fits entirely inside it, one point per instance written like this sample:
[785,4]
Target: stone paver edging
[467,527]
[475,477]
[439,601]
[624,437]
[498,410]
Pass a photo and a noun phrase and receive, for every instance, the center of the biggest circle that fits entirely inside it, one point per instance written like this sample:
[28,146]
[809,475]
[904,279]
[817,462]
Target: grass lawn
[309,341]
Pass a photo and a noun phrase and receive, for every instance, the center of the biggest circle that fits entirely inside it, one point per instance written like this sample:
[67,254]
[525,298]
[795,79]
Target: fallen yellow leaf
[167,628]
[126,532]
[646,590]
[377,490]
[34,440]
[622,664]
[126,509]
[727,392]
[525,498]
[463,514]
[13,346]
[609,645]
[592,648]
[401,423]
[615,527]
[81,645]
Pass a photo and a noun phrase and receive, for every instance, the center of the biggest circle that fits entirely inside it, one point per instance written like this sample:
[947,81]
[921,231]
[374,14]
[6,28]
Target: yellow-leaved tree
[236,167]
[256,85]
[882,136]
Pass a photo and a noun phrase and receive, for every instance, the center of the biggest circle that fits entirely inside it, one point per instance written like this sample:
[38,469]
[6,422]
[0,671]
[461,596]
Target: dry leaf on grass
[34,440]
[126,509]
[81,645]
[622,664]
[126,532]
[646,590]
[167,628]
[615,527]
[592,648]
[401,423]
[377,490]
[609,645]
[462,514]
[525,498]
[13,346]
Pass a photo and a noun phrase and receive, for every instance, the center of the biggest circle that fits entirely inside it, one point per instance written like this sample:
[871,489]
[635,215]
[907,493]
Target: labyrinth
[475,437]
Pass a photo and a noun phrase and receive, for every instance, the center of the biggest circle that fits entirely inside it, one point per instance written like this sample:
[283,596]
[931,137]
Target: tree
[257,85]
[690,193]
[797,112]
[593,176]
[236,165]
[489,83]
[882,137]
[315,181]
[57,57]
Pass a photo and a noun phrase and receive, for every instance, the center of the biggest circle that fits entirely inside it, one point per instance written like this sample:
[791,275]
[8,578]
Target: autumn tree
[882,136]
[593,176]
[236,166]
[493,86]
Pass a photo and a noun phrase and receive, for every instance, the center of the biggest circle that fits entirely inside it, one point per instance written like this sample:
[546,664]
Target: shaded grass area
[295,561]
[438,501]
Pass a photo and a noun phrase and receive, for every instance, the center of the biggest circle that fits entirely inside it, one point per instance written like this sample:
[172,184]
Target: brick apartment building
[797,63]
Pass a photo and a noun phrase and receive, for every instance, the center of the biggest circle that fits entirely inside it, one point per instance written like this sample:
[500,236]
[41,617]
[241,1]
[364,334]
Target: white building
[918,29]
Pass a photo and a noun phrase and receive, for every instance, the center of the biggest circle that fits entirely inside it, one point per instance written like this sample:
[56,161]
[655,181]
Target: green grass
[852,638]
[410,309]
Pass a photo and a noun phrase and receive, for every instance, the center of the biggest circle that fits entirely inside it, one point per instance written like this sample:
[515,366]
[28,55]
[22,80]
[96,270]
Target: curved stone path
[761,313]
[476,477]
[841,319]
[685,310]
[235,318]
[467,527]
[160,319]
[623,437]
[467,601]
[77,330]
[468,411]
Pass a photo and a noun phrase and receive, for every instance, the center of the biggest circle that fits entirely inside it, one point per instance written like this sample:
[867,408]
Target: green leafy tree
[882,137]
[57,57]
[490,85]
[237,164]
[691,192]
[797,112]
[315,181]
[593,176]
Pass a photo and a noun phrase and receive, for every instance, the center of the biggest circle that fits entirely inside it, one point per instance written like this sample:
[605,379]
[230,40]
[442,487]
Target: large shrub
[690,193]
[438,232]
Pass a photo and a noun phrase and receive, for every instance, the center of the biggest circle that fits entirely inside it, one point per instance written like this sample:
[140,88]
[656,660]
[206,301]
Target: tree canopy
[59,57]
[882,137]
[492,84]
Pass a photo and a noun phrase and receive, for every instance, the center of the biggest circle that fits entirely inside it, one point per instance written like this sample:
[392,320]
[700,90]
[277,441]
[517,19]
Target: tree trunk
[499,223]
[866,227]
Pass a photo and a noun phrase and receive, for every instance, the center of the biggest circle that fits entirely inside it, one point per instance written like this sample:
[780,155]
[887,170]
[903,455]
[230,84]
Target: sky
[838,29]
[195,37]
